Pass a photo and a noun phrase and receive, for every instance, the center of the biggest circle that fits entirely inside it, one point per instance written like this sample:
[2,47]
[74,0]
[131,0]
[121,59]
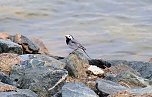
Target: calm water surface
[109,29]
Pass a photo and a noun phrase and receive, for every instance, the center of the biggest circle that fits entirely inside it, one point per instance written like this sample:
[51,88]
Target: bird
[74,44]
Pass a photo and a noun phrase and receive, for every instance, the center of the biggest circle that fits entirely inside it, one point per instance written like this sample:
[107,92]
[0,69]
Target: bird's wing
[78,44]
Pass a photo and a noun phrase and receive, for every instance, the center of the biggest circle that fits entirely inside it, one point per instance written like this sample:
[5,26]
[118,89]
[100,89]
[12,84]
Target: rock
[95,70]
[7,46]
[139,92]
[34,75]
[127,94]
[58,94]
[28,46]
[7,60]
[77,90]
[126,76]
[131,80]
[18,93]
[42,59]
[144,68]
[6,87]
[136,75]
[120,68]
[40,45]
[76,64]
[150,60]
[100,63]
[5,79]
[11,91]
[109,87]
[4,35]
[57,57]
[117,62]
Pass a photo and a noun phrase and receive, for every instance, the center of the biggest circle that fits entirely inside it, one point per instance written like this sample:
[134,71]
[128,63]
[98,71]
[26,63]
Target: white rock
[96,70]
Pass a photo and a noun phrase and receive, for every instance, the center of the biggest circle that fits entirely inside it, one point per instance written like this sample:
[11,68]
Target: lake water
[109,29]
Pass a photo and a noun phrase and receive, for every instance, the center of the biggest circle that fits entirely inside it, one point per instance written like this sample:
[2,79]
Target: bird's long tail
[86,54]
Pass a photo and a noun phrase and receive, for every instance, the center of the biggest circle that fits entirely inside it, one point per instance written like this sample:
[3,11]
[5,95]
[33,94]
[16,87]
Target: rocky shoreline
[29,70]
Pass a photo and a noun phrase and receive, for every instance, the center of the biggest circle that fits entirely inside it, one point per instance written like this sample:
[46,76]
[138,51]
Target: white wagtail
[74,44]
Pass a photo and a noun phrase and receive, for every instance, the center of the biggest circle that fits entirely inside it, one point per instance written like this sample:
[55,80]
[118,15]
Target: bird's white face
[69,36]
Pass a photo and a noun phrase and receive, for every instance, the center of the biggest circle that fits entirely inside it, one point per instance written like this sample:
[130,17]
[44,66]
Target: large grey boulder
[35,73]
[77,90]
[7,46]
[76,63]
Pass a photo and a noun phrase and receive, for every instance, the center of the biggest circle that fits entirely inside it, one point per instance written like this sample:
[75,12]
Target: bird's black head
[68,38]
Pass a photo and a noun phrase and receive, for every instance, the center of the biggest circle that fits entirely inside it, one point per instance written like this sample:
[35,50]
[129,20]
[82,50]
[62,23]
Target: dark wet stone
[34,75]
[100,63]
[77,90]
[7,46]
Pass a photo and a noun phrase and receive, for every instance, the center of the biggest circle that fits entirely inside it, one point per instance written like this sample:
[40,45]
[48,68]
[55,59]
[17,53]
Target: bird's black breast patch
[67,41]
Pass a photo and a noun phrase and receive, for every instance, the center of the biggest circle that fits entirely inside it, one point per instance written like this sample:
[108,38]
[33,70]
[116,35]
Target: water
[109,29]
